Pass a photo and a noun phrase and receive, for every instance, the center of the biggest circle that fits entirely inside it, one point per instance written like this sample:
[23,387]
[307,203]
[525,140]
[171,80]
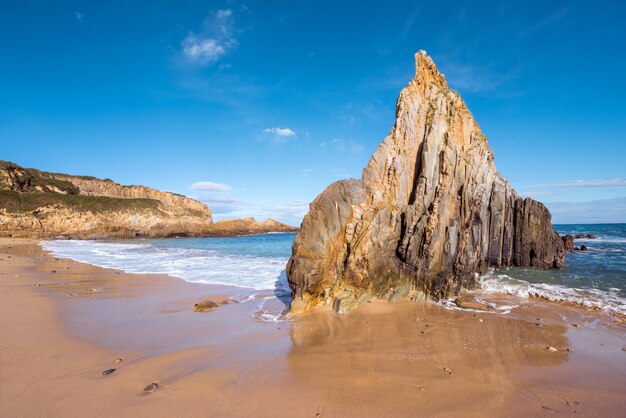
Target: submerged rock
[429,212]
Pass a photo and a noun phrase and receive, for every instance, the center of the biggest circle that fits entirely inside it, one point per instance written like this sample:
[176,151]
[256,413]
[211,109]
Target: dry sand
[57,335]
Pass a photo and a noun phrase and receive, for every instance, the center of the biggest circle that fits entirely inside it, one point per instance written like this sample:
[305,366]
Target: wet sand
[59,330]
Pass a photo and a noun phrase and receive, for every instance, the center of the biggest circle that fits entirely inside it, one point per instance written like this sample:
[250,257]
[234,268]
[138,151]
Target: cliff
[248,226]
[429,212]
[39,204]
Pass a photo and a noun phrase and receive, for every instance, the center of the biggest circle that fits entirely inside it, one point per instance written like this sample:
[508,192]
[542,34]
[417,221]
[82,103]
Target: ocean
[256,264]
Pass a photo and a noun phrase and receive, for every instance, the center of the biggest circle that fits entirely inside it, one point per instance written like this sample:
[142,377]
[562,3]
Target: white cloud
[306,171]
[595,211]
[202,50]
[612,182]
[280,131]
[78,16]
[209,186]
[214,42]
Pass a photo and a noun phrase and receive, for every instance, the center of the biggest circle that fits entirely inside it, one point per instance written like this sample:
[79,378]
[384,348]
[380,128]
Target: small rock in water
[207,305]
[150,388]
[117,360]
[576,325]
[108,371]
[550,348]
[583,248]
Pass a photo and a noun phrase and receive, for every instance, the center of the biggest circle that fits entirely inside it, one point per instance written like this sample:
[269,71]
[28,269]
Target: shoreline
[381,359]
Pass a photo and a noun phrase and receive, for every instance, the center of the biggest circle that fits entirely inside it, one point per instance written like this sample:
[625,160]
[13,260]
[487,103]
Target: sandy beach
[63,323]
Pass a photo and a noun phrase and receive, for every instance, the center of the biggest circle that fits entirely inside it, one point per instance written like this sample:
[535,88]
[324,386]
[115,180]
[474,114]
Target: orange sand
[404,359]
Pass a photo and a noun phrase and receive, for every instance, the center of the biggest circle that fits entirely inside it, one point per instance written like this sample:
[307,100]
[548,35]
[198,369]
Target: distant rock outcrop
[429,212]
[248,226]
[568,243]
[39,204]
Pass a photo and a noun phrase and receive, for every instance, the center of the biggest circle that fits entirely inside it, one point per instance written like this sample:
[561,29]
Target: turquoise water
[596,277]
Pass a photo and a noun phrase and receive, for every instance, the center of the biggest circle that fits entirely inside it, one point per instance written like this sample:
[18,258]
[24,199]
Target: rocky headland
[38,204]
[429,213]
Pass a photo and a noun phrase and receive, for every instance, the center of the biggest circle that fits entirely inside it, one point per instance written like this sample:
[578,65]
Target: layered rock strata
[37,204]
[429,213]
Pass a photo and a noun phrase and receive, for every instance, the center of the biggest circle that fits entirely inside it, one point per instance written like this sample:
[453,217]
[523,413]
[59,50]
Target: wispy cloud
[595,211]
[78,16]
[227,206]
[280,131]
[589,183]
[551,19]
[471,78]
[340,173]
[341,145]
[538,194]
[306,171]
[209,186]
[215,40]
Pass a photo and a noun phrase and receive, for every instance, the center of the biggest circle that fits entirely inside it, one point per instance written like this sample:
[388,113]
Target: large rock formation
[429,212]
[39,204]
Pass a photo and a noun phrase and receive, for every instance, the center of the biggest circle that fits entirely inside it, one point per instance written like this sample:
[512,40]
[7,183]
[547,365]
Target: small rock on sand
[468,302]
[117,360]
[108,371]
[550,348]
[204,306]
[150,388]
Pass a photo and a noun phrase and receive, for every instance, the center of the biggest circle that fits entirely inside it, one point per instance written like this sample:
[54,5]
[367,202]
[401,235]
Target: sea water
[256,263]
[595,278]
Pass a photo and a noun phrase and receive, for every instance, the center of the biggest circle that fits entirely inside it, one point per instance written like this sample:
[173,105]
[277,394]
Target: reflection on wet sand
[419,354]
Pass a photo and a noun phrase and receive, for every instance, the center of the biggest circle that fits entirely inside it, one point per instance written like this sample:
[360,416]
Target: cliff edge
[429,212]
[38,204]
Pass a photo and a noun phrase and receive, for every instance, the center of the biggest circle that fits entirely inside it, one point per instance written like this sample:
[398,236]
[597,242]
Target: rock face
[37,204]
[429,212]
[568,243]
[248,226]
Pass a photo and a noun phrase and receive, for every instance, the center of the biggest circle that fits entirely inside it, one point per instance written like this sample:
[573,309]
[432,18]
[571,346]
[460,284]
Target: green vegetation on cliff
[13,201]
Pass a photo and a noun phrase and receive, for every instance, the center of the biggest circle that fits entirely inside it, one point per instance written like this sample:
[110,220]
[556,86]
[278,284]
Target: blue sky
[255,107]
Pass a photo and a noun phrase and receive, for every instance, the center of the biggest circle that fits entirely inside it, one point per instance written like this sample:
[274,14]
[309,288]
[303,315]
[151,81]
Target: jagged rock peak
[429,212]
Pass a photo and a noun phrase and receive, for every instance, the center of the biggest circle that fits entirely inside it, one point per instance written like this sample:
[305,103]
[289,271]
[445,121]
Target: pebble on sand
[550,348]
[117,360]
[108,371]
[150,388]
[207,305]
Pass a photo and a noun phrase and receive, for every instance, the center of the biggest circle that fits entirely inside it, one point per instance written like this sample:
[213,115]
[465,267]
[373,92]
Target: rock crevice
[429,212]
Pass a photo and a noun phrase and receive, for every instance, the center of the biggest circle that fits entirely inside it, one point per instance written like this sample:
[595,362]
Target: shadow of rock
[282,290]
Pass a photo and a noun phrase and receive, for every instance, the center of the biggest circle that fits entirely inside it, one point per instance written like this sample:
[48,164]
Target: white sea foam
[608,301]
[192,265]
